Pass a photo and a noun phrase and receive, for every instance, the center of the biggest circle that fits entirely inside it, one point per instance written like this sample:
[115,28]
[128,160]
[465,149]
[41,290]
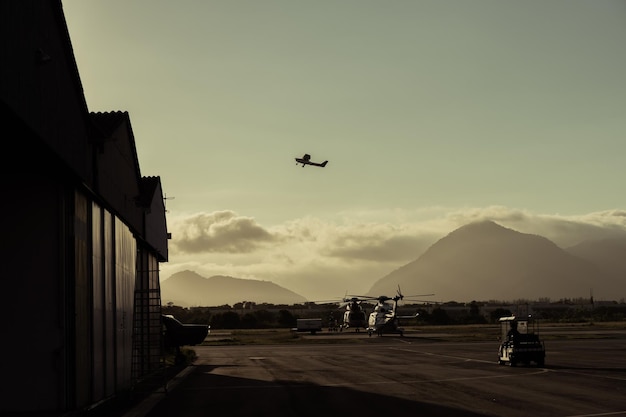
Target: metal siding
[82,303]
[125,271]
[98,323]
[109,306]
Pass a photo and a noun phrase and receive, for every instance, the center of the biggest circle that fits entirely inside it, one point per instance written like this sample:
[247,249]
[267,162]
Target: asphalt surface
[421,375]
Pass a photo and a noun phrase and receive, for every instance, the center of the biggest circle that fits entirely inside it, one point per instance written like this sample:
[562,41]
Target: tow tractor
[520,342]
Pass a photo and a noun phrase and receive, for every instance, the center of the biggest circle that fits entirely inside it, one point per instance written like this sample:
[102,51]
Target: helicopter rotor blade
[334,301]
[418,295]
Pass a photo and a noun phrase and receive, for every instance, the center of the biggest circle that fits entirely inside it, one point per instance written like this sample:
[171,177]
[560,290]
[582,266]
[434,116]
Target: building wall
[80,348]
[33,284]
[113,255]
[125,268]
[39,79]
[117,179]
[70,253]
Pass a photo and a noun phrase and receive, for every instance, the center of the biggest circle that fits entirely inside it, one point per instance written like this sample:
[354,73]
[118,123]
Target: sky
[432,114]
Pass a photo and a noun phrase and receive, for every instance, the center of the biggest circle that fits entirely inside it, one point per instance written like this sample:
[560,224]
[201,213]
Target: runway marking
[484,361]
[585,374]
[426,381]
[443,356]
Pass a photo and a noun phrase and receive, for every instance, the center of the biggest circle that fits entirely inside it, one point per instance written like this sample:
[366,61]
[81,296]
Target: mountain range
[187,288]
[479,261]
[485,261]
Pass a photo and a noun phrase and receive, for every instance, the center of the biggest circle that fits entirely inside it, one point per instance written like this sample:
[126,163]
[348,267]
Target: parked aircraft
[354,316]
[384,318]
[306,160]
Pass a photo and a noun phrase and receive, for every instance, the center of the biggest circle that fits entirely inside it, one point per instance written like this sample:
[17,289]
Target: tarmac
[142,399]
[143,407]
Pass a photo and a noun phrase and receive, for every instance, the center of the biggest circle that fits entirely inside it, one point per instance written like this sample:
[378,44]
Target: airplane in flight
[306,160]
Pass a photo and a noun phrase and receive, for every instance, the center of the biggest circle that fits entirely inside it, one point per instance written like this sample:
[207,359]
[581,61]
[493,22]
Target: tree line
[268,316]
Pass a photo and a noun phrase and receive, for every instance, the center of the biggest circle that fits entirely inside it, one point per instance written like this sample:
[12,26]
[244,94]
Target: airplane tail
[323,164]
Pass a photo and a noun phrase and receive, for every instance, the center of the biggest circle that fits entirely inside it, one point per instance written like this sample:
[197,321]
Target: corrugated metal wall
[98,290]
[82,302]
[114,273]
[125,270]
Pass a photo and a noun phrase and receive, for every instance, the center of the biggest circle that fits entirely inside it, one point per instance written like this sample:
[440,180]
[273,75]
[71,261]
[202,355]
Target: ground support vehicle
[308,325]
[520,344]
[177,334]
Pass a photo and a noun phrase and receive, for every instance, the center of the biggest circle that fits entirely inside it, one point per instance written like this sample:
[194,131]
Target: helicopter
[384,318]
[354,316]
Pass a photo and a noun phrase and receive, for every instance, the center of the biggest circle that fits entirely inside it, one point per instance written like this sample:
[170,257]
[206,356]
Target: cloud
[565,231]
[220,231]
[376,243]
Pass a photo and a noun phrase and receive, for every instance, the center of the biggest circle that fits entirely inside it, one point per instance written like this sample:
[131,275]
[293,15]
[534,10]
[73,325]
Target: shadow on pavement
[203,393]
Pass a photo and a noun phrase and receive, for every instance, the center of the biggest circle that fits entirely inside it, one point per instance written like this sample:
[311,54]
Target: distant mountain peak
[188,288]
[483,227]
[486,261]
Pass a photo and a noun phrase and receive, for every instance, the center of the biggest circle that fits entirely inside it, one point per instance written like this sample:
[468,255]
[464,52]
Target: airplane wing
[306,160]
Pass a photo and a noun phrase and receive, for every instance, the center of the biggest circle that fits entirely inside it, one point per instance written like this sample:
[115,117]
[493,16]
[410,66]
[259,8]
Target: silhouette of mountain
[485,261]
[609,254]
[187,288]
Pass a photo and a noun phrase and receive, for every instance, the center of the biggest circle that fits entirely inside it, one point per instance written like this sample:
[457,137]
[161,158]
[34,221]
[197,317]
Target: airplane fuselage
[306,160]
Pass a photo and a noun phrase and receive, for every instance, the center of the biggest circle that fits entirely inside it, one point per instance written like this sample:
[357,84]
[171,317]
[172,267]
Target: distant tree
[249,321]
[265,318]
[495,315]
[610,313]
[286,319]
[474,309]
[225,320]
[198,316]
[474,316]
[439,316]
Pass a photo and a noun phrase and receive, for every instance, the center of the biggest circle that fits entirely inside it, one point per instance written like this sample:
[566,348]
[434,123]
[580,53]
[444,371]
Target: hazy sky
[431,114]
